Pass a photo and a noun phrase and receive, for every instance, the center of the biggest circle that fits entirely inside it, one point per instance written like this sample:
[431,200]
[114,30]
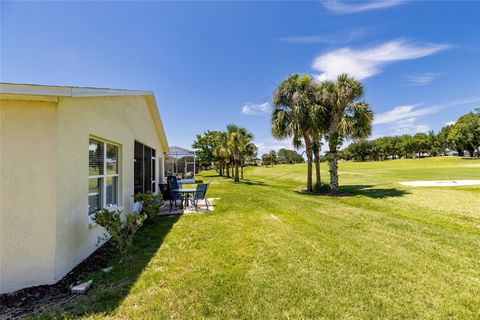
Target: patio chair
[166,194]
[200,194]
[173,185]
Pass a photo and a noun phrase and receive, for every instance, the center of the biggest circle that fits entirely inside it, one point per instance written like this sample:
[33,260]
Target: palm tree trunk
[317,166]
[237,177]
[333,168]
[308,147]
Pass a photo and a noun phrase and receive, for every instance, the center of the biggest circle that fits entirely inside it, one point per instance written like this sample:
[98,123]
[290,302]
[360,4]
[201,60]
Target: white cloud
[411,111]
[332,38]
[367,62]
[402,112]
[256,109]
[422,79]
[450,123]
[342,7]
[409,126]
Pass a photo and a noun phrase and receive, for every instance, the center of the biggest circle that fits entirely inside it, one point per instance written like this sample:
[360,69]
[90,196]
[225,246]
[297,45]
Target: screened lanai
[180,162]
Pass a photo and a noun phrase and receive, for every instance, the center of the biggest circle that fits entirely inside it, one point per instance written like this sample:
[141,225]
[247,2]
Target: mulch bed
[23,302]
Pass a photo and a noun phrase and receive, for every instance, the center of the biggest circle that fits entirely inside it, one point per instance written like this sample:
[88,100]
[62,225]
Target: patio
[190,209]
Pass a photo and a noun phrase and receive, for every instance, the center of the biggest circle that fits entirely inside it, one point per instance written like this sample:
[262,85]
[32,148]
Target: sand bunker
[441,183]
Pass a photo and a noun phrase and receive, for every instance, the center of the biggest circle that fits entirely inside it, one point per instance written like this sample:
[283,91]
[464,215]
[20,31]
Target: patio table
[185,192]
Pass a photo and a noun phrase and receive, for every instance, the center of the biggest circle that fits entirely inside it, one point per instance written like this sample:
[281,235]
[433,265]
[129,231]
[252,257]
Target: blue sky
[214,63]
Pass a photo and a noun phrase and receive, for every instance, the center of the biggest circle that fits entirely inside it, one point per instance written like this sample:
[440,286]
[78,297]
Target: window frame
[105,175]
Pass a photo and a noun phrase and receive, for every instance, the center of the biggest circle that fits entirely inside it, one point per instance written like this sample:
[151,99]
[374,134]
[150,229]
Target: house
[67,152]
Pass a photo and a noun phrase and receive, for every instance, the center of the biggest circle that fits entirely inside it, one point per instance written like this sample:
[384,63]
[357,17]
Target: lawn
[270,251]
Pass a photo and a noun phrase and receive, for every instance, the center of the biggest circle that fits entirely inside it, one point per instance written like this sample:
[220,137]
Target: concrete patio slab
[441,183]
[202,208]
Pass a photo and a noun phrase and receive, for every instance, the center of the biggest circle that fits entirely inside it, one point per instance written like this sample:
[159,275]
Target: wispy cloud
[344,7]
[450,123]
[403,112]
[256,109]
[422,79]
[412,111]
[409,125]
[368,62]
[330,38]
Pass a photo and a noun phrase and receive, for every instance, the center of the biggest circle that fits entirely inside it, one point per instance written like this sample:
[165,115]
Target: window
[144,169]
[103,176]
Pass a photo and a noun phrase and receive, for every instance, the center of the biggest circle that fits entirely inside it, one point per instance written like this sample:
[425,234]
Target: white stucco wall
[44,225]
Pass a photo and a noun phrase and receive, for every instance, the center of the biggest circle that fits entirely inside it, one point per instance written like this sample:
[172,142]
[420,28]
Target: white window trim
[154,168]
[105,176]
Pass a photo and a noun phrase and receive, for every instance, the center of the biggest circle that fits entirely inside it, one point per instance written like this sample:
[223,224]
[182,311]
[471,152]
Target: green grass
[268,251]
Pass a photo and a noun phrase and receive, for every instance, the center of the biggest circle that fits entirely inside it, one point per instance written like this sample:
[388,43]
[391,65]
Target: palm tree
[295,113]
[347,117]
[316,146]
[234,144]
[238,140]
[250,150]
[222,152]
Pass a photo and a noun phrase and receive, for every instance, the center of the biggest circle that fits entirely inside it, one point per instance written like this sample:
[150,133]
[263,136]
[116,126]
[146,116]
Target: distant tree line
[462,137]
[283,156]
[227,151]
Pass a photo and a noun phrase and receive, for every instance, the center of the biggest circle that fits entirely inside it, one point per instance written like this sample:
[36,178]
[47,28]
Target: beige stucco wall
[118,119]
[28,193]
[44,225]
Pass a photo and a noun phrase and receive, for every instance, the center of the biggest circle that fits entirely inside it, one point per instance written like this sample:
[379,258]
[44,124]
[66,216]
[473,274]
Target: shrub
[151,202]
[321,188]
[121,234]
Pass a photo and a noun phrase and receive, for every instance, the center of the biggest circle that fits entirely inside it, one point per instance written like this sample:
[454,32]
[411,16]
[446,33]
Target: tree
[250,153]
[273,157]
[234,144]
[295,115]
[433,144]
[222,153]
[465,133]
[421,144]
[442,139]
[288,156]
[348,117]
[269,158]
[204,146]
[240,143]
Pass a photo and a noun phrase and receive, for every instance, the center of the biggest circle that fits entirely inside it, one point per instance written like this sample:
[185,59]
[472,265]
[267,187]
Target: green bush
[321,188]
[151,202]
[121,234]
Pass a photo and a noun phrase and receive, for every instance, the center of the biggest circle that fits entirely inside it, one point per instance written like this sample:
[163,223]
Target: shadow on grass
[372,192]
[110,289]
[253,182]
[358,190]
